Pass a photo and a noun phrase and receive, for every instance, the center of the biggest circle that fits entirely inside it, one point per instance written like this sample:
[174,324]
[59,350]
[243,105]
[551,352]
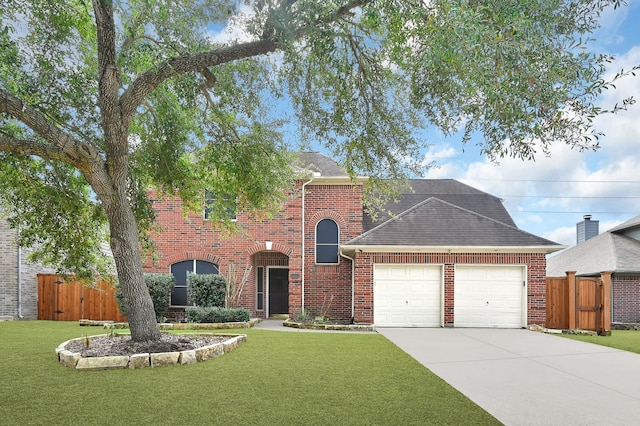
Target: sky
[548,196]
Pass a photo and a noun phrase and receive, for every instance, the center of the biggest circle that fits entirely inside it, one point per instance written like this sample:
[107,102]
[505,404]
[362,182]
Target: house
[450,255]
[18,281]
[616,251]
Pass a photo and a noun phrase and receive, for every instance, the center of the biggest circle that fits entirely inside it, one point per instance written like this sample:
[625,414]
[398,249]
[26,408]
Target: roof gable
[605,252]
[319,163]
[449,190]
[438,223]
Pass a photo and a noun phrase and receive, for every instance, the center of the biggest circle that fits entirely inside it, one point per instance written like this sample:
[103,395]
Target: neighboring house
[19,280]
[617,251]
[451,255]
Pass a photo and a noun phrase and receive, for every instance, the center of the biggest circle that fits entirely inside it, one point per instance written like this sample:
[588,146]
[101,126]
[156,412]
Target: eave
[351,249]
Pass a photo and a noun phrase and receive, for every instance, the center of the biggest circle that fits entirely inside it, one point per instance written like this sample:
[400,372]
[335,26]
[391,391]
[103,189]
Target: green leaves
[183,114]
[52,209]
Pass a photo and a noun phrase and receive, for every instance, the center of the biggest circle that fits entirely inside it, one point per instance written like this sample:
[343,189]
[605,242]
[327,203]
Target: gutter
[381,248]
[353,284]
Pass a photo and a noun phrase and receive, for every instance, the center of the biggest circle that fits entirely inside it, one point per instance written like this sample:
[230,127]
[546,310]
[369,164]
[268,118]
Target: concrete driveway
[524,377]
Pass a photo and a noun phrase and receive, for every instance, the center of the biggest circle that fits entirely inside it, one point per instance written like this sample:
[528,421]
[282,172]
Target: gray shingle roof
[449,190]
[438,223]
[605,252]
[631,223]
[317,162]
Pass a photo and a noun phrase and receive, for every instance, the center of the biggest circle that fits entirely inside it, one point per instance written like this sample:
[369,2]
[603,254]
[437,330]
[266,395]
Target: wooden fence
[62,301]
[579,302]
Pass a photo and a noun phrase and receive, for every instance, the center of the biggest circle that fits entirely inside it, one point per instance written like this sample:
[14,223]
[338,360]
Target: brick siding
[626,298]
[327,288]
[9,277]
[536,287]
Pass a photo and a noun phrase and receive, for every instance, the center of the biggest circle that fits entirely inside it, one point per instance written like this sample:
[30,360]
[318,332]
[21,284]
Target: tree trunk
[126,253]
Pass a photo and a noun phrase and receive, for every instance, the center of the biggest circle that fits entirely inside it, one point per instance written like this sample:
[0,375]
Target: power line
[568,196]
[566,212]
[552,180]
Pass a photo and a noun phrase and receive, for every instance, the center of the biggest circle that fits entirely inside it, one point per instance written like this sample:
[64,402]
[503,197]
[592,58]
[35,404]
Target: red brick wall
[626,298]
[327,289]
[535,262]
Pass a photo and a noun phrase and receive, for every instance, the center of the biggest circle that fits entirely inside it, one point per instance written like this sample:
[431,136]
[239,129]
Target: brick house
[450,255]
[19,280]
[617,251]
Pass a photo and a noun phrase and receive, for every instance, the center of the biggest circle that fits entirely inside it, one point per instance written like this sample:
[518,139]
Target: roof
[436,223]
[631,223]
[449,190]
[319,163]
[605,252]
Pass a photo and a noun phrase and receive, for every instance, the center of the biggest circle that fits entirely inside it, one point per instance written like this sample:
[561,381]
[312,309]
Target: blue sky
[548,196]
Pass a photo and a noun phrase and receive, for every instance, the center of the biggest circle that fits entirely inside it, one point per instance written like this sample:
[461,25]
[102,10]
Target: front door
[278,291]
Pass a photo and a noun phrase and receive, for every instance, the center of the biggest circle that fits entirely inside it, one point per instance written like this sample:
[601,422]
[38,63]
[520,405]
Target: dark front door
[278,291]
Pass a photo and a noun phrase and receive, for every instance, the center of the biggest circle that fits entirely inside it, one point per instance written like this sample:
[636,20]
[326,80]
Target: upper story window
[210,203]
[327,242]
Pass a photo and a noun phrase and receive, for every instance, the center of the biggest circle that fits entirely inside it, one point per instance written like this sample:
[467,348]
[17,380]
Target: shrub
[207,290]
[216,314]
[160,286]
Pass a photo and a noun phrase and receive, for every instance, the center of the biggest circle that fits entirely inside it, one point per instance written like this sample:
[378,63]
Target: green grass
[276,377]
[626,340]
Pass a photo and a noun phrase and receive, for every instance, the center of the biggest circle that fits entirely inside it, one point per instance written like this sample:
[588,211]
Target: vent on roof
[586,229]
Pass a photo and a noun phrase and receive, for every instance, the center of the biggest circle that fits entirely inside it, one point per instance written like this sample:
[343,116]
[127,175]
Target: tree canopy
[102,100]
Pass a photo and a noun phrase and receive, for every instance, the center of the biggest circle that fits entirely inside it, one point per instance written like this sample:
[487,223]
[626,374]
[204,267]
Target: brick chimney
[586,229]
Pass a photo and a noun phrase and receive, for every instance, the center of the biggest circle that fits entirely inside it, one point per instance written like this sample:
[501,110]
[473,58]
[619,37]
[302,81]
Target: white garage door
[489,296]
[407,295]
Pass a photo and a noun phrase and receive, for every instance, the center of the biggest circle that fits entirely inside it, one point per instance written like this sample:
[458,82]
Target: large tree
[101,101]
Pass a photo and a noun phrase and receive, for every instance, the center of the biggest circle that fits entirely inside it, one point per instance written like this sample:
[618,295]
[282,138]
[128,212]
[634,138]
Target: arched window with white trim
[327,237]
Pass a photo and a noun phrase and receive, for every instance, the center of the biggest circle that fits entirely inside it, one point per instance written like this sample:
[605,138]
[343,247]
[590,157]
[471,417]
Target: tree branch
[150,80]
[115,129]
[63,147]
[25,148]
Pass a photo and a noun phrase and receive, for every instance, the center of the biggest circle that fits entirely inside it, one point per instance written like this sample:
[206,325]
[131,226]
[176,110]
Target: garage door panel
[407,295]
[489,296]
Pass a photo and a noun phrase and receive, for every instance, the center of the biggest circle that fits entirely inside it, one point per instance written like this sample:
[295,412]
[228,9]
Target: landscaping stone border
[108,325]
[318,326]
[163,359]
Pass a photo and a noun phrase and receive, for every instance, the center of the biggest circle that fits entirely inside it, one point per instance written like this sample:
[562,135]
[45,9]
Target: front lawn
[276,377]
[626,340]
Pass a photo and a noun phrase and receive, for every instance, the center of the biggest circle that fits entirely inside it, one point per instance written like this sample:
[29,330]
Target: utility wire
[568,196]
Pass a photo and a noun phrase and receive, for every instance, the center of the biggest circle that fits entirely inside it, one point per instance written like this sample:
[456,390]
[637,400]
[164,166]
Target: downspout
[353,285]
[303,239]
[20,283]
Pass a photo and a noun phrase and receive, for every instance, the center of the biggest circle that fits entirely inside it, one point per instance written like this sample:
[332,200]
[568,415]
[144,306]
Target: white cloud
[235,30]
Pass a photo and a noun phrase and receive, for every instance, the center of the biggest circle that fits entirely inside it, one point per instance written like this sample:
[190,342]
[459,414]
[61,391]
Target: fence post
[571,282]
[606,302]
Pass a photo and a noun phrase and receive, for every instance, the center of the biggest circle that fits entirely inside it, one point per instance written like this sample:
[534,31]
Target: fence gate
[589,304]
[71,301]
[557,303]
[579,302]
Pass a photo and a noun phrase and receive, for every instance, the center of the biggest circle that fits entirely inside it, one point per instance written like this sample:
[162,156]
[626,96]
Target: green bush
[160,286]
[216,314]
[207,290]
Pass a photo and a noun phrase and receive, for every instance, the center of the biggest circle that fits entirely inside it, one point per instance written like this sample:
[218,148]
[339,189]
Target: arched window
[181,270]
[327,242]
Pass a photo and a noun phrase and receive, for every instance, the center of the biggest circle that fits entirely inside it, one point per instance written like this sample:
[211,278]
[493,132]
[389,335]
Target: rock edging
[108,325]
[338,327]
[162,359]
